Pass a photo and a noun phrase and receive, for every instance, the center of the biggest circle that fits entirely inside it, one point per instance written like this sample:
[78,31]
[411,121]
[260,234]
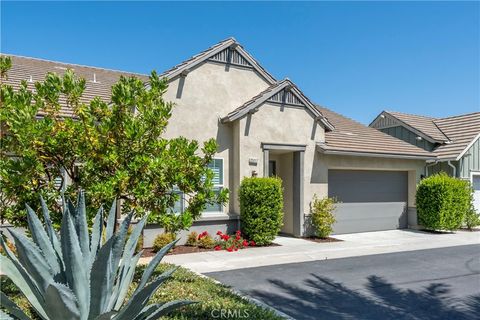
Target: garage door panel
[367,186]
[363,217]
[370,200]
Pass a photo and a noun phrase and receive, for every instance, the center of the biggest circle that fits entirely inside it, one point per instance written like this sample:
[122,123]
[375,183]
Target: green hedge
[261,208]
[442,202]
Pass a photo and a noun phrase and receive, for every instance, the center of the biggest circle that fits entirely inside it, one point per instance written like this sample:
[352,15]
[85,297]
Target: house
[454,141]
[266,126]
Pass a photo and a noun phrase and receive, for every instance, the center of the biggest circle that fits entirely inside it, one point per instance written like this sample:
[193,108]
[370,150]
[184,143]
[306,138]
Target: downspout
[453,168]
[429,165]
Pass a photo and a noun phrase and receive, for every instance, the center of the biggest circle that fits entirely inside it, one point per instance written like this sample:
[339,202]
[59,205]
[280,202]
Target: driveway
[424,284]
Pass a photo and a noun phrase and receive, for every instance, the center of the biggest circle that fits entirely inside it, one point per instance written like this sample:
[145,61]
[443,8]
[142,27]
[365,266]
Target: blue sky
[357,58]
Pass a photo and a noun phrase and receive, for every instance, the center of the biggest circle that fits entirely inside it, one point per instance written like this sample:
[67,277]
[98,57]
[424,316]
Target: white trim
[468,147]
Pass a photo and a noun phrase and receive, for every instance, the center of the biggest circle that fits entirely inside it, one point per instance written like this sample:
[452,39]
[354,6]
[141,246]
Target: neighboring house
[454,141]
[268,127]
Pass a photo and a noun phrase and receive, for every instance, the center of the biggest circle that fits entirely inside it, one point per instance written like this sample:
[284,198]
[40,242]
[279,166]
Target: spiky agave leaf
[79,276]
[11,307]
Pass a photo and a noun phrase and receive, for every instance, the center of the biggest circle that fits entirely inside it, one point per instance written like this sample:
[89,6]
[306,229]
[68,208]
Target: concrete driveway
[439,283]
[300,250]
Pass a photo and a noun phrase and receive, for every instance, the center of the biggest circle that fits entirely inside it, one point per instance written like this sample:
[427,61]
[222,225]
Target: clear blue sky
[356,58]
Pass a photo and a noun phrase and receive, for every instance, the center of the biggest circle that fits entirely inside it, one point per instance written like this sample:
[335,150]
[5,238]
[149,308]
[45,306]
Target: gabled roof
[421,125]
[230,43]
[292,95]
[98,80]
[462,131]
[353,138]
[453,134]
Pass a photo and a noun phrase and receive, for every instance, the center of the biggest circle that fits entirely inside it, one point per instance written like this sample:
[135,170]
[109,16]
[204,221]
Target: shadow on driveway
[321,298]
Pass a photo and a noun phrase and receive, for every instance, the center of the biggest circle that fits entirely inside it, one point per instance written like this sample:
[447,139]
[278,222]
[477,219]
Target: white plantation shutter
[217,167]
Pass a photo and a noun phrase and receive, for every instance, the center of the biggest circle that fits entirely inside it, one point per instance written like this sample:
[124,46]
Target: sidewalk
[298,250]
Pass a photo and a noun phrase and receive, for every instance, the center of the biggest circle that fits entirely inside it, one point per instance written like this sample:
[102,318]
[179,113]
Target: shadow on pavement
[321,298]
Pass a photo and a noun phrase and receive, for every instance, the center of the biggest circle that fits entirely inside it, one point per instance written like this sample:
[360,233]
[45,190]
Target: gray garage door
[370,200]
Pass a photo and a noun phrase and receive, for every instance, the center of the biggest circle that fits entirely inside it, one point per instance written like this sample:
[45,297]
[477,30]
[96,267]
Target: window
[217,167]
[178,206]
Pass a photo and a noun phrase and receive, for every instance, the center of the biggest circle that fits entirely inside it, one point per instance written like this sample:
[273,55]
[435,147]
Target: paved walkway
[299,250]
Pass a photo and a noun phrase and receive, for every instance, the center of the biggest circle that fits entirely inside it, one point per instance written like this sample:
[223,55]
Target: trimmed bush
[261,208]
[192,239]
[162,240]
[205,241]
[322,217]
[443,202]
[472,218]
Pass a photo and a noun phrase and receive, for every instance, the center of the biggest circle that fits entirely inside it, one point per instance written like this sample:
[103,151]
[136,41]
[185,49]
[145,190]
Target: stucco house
[266,126]
[455,142]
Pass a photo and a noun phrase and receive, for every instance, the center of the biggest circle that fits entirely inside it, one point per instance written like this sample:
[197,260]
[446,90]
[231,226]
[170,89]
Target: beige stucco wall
[284,125]
[209,92]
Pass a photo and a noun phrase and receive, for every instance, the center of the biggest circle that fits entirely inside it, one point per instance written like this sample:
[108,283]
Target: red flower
[252,243]
[218,248]
[236,249]
[225,237]
[238,232]
[237,237]
[202,235]
[245,243]
[230,249]
[219,233]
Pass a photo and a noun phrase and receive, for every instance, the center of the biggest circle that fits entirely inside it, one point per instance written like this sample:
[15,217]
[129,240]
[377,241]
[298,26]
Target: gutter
[376,155]
[429,165]
[453,168]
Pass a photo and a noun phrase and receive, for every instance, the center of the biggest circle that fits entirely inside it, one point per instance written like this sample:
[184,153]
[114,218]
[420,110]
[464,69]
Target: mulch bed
[471,230]
[436,231]
[322,240]
[148,252]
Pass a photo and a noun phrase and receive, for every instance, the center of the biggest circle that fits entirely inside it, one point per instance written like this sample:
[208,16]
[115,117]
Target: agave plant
[82,275]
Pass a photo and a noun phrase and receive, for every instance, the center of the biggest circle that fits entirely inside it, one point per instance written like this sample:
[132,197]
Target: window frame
[219,186]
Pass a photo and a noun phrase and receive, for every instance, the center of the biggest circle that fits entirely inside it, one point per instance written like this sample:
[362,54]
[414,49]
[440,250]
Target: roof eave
[323,150]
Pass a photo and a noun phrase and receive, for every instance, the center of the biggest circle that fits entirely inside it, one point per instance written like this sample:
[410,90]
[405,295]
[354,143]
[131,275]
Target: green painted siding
[470,161]
[408,136]
[443,167]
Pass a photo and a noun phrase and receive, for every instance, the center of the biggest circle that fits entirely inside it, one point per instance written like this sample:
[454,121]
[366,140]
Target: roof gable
[422,126]
[228,52]
[283,92]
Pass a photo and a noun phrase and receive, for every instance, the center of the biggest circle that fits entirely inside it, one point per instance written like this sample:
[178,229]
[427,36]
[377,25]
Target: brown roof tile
[460,130]
[426,125]
[352,136]
[33,70]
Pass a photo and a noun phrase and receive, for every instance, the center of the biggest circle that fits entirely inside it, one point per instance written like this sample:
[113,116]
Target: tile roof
[453,134]
[33,70]
[426,125]
[461,130]
[352,136]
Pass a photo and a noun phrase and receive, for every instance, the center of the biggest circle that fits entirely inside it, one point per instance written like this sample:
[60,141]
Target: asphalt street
[439,283]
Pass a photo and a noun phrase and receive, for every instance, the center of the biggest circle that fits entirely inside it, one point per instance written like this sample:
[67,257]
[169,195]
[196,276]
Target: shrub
[322,217]
[205,240]
[192,239]
[162,240]
[472,219]
[443,202]
[232,243]
[10,245]
[75,274]
[261,208]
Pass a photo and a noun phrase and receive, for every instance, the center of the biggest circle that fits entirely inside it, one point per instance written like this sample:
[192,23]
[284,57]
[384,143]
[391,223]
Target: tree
[111,149]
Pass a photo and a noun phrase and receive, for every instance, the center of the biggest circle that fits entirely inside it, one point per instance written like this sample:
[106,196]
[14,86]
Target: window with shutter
[217,167]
